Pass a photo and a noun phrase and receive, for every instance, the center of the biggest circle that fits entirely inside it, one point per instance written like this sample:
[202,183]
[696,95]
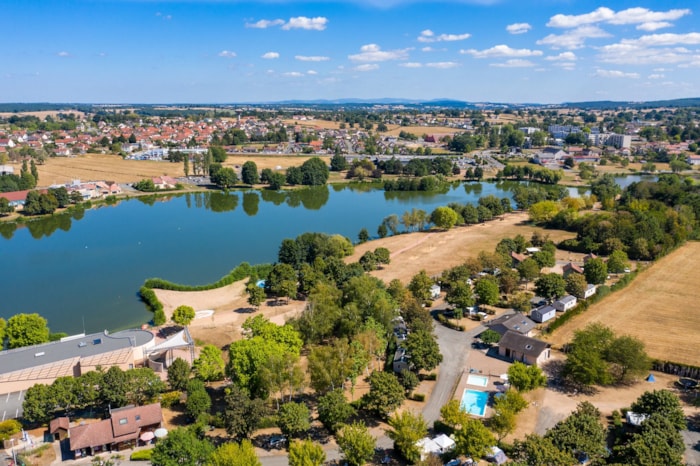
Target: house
[572,268]
[543,314]
[435,291]
[7,170]
[400,360]
[59,427]
[549,155]
[565,303]
[436,446]
[517,258]
[588,257]
[518,347]
[518,323]
[16,198]
[121,430]
[164,182]
[693,159]
[589,291]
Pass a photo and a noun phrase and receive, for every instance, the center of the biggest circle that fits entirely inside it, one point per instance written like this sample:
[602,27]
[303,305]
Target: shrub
[418,397]
[169,399]
[141,455]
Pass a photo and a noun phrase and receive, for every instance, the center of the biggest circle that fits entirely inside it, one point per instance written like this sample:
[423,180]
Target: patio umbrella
[147,436]
[160,433]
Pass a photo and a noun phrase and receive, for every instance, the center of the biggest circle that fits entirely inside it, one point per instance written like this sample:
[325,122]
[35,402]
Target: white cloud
[518,28]
[427,49]
[270,55]
[299,22]
[691,38]
[293,74]
[635,15]
[442,65]
[310,24]
[501,51]
[429,36]
[227,54]
[652,49]
[411,64]
[615,74]
[514,63]
[265,23]
[564,56]
[654,25]
[312,72]
[311,58]
[367,67]
[573,39]
[656,76]
[63,53]
[373,53]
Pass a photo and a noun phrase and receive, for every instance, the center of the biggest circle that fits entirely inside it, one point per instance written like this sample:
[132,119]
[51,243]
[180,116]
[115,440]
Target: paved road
[11,405]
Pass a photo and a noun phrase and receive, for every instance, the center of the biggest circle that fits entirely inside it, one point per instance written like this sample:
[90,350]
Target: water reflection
[251,203]
[221,201]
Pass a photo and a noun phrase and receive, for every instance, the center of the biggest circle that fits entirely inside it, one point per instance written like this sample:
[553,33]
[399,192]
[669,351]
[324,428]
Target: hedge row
[141,455]
[239,273]
[148,296]
[449,324]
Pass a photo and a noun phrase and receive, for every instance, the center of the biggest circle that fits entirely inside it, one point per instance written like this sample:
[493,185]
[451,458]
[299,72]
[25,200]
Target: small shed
[58,427]
[435,291]
[589,291]
[543,314]
[565,303]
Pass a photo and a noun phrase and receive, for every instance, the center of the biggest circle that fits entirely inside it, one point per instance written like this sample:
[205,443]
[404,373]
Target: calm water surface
[90,268]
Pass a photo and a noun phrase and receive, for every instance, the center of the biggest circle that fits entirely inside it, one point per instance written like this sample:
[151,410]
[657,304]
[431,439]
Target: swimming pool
[474,402]
[480,380]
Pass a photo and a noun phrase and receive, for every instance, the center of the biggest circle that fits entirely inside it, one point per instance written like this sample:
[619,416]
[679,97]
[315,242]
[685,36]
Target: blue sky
[227,51]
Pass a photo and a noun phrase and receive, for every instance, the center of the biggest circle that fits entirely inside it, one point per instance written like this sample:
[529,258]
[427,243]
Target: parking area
[11,405]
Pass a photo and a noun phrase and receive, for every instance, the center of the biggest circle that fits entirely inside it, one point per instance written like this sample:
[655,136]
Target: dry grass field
[394,130]
[659,307]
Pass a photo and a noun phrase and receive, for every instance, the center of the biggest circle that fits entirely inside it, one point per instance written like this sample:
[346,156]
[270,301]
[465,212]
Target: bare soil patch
[658,307]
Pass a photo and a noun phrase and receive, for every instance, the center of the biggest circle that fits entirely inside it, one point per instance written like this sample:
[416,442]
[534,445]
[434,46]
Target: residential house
[543,314]
[550,155]
[16,198]
[401,360]
[565,303]
[588,257]
[121,430]
[518,347]
[59,427]
[589,291]
[572,268]
[693,159]
[7,170]
[517,258]
[518,323]
[164,182]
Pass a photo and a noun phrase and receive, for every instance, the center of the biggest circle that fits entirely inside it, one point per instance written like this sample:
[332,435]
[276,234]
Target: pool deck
[481,364]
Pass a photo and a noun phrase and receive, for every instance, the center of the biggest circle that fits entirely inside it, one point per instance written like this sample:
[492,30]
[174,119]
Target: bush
[141,455]
[449,324]
[169,399]
[9,428]
[418,397]
[431,376]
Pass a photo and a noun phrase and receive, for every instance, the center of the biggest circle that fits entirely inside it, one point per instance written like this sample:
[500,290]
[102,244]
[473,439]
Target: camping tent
[650,378]
[444,442]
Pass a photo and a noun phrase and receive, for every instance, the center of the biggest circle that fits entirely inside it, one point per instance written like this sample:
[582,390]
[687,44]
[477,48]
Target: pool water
[474,402]
[479,380]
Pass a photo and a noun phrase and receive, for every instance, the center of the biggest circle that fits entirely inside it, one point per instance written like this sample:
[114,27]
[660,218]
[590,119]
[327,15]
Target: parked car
[276,441]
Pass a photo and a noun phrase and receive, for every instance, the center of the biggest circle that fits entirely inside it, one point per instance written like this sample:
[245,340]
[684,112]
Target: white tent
[444,442]
[427,447]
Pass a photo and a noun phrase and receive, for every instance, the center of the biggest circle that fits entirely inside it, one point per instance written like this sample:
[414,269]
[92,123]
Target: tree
[529,269]
[444,217]
[334,410]
[225,178]
[628,359]
[5,207]
[453,415]
[420,285]
[235,454]
[392,223]
[550,286]
[424,350]
[25,330]
[38,405]
[490,337]
[618,262]
[539,451]
[114,387]
[383,255]
[293,419]
[256,295]
[664,403]
[581,432]
[473,439]
[502,423]
[338,163]
[276,180]
[198,400]
[543,211]
[210,365]
[544,258]
[356,443]
[406,429]
[363,236]
[526,378]
[576,285]
[179,374]
[217,154]
[249,173]
[385,394]
[382,230]
[282,280]
[585,361]
[460,295]
[658,442]
[314,172]
[181,447]
[241,413]
[487,291]
[183,315]
[306,453]
[596,271]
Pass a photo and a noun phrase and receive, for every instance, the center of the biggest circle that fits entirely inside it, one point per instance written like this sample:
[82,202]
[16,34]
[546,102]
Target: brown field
[394,130]
[658,307]
[271,161]
[324,124]
[43,114]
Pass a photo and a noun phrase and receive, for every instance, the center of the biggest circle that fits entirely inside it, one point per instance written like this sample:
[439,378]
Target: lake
[84,271]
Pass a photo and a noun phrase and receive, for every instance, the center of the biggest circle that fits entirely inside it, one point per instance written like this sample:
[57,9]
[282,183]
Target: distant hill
[609,104]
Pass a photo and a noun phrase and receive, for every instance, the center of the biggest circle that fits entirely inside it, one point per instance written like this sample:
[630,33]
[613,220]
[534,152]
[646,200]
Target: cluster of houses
[88,191]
